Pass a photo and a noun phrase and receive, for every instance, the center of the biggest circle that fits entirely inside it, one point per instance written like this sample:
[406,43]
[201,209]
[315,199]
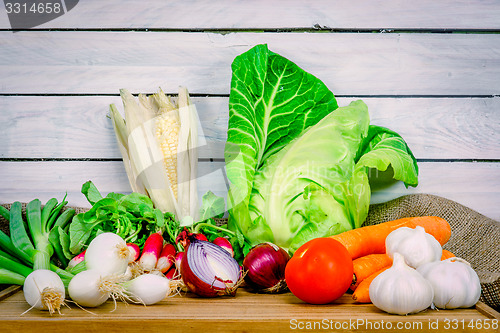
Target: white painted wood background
[430,70]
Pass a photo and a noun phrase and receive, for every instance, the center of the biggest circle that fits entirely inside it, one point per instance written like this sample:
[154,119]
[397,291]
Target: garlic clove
[401,289]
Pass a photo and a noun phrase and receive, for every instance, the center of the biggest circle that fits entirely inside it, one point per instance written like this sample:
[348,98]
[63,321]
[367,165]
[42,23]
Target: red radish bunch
[151,252]
[156,256]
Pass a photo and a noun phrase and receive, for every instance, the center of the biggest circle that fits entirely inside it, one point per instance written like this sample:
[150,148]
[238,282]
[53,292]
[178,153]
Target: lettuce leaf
[297,164]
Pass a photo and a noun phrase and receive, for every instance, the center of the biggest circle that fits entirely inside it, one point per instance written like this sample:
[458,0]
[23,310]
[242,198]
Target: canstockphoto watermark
[354,325]
[24,14]
[429,325]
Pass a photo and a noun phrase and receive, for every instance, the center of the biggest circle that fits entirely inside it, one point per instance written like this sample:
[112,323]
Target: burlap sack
[474,237]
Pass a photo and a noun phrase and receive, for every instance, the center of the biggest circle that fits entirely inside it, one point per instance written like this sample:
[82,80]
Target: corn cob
[158,143]
[167,133]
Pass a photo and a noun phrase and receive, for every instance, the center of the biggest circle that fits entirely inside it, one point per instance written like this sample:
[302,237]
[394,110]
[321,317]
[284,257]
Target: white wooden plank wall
[428,70]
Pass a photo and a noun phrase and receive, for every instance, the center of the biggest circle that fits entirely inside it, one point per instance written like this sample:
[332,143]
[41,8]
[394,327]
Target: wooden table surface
[246,312]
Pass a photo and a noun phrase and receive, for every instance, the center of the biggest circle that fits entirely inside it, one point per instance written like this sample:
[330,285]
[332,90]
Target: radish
[178,260]
[76,260]
[201,237]
[171,273]
[151,251]
[108,254]
[134,251]
[167,258]
[225,244]
[44,290]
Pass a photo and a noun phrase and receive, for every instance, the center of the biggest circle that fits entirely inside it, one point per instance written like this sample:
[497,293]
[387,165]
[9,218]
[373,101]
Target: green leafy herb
[132,217]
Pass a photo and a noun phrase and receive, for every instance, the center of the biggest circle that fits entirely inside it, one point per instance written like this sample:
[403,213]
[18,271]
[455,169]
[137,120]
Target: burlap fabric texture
[474,238]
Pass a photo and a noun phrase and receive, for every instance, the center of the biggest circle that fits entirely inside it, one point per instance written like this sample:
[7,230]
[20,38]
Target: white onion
[44,290]
[147,288]
[85,288]
[108,254]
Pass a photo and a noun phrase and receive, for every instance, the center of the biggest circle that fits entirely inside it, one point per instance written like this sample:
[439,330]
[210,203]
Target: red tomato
[320,271]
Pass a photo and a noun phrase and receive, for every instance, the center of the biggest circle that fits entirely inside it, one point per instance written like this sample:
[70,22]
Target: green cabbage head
[296,162]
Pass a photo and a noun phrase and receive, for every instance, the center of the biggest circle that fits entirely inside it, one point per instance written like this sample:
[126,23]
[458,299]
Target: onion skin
[199,287]
[265,266]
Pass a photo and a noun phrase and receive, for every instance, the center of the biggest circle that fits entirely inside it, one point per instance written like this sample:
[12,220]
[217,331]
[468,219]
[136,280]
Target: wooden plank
[246,312]
[261,14]
[44,180]
[348,63]
[487,310]
[475,185]
[77,126]
[9,291]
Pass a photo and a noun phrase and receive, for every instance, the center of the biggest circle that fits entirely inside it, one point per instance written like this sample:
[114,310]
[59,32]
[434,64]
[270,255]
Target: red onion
[208,270]
[265,268]
[225,244]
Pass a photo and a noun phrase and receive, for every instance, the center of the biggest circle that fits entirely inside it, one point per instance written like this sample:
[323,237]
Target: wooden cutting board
[246,312]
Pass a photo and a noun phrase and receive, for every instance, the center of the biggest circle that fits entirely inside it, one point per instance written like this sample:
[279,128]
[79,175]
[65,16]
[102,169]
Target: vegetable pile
[299,192]
[37,254]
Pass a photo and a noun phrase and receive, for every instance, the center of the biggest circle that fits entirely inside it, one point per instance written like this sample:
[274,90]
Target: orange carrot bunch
[367,248]
[371,239]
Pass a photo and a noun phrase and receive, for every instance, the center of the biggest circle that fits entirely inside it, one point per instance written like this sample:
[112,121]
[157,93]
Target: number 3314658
[479,324]
[33,8]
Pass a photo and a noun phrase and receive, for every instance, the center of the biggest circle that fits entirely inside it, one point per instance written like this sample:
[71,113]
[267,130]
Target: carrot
[447,254]
[367,265]
[362,292]
[371,239]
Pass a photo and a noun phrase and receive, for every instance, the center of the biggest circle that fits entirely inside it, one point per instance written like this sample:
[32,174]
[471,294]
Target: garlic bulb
[455,283]
[416,246]
[401,289]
